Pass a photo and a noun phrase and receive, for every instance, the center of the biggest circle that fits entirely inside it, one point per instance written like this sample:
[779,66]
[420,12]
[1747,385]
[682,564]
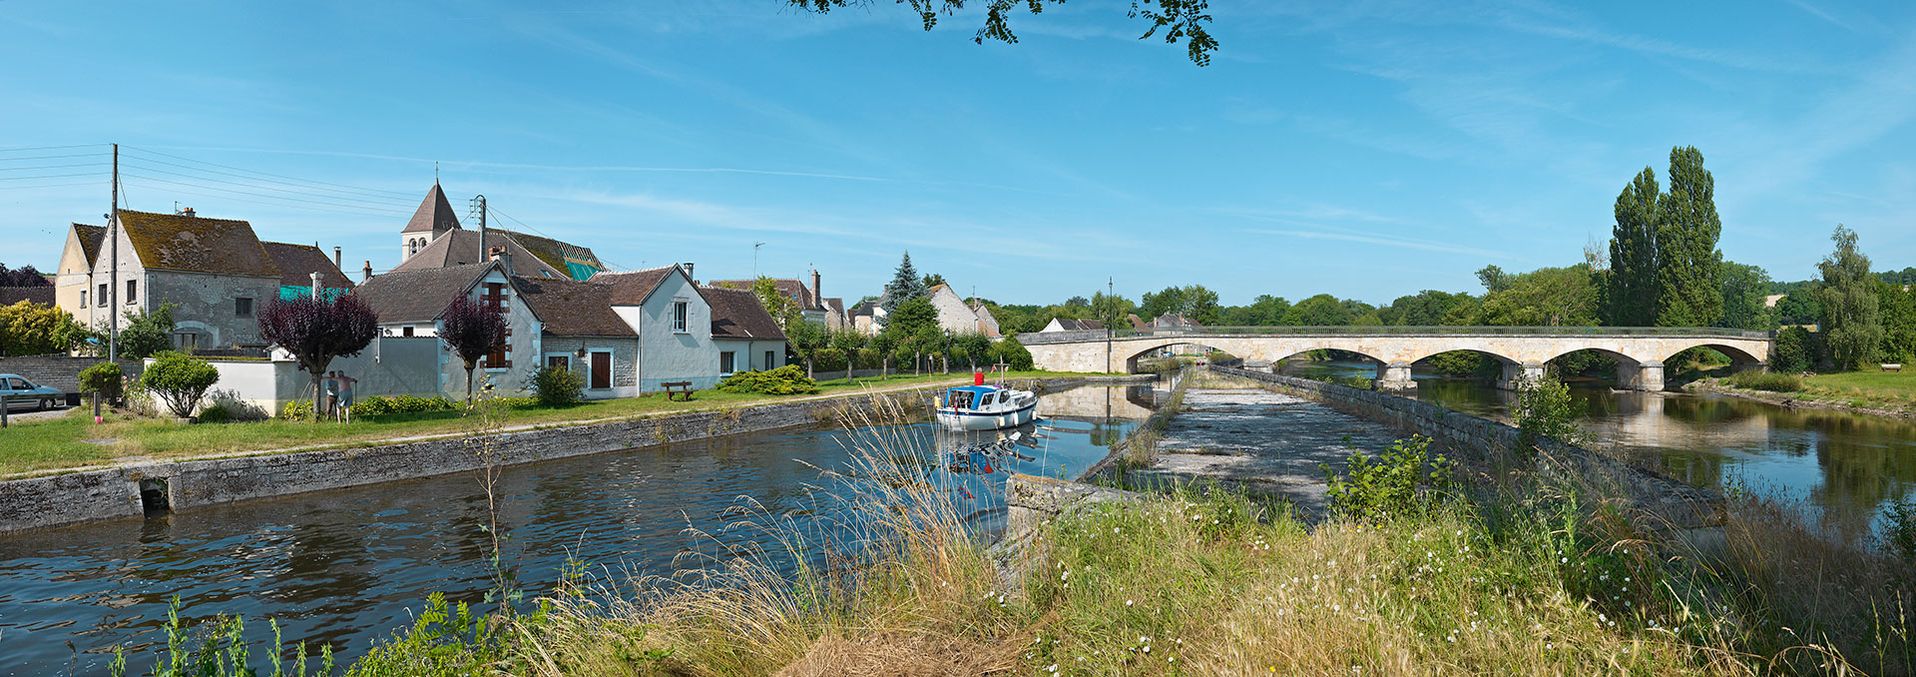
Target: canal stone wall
[1685,507]
[134,489]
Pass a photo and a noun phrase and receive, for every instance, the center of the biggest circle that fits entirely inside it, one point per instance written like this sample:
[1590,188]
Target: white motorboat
[986,407]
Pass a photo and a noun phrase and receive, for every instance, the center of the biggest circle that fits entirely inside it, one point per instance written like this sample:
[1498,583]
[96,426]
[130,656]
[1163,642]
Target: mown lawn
[74,442]
[1892,390]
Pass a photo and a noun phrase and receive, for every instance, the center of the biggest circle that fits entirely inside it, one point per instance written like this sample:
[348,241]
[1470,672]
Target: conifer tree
[1630,292]
[905,285]
[1689,293]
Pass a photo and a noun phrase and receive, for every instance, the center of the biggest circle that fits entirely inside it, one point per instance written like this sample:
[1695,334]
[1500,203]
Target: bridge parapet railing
[1394,330]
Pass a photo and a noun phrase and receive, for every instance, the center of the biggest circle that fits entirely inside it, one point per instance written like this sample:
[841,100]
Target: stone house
[958,317]
[216,273]
[433,238]
[747,338]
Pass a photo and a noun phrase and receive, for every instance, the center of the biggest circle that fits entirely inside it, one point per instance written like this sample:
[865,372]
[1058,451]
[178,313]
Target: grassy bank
[1891,393]
[74,441]
[1491,574]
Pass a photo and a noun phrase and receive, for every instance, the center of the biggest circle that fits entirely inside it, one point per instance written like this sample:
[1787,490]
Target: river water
[347,567]
[1838,469]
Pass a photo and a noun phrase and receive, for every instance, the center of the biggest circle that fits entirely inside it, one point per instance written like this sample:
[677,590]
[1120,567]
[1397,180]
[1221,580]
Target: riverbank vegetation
[1465,571]
[74,441]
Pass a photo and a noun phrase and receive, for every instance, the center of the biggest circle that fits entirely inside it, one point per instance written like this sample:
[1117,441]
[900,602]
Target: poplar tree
[1630,292]
[1688,291]
[1851,322]
[905,285]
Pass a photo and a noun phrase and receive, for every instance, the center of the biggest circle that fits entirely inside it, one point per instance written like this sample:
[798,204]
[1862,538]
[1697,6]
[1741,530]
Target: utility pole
[477,209]
[113,276]
[1110,301]
[755,246]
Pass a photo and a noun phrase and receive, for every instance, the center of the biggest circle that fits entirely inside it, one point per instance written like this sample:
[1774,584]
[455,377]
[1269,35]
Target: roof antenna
[435,172]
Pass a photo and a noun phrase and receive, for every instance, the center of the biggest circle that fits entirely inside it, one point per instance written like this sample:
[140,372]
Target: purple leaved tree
[316,330]
[471,330]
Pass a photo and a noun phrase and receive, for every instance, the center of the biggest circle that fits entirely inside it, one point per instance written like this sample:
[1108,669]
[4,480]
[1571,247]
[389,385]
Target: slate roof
[835,305]
[37,295]
[864,308]
[90,239]
[791,288]
[196,244]
[631,289]
[461,247]
[1079,325]
[737,314]
[571,308]
[297,261]
[554,253]
[434,215]
[418,295]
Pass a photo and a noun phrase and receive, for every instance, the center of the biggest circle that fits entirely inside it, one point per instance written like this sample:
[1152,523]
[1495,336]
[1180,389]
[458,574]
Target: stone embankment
[1683,506]
[140,488]
[1695,514]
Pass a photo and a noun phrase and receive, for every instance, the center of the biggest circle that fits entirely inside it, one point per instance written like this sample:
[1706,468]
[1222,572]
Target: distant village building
[812,304]
[43,296]
[1771,300]
[955,315]
[216,273]
[746,337]
[1066,324]
[433,238]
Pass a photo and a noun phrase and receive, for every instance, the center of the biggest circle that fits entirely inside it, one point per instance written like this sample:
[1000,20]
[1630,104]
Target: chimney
[336,259]
[186,212]
[688,271]
[818,295]
[367,272]
[503,255]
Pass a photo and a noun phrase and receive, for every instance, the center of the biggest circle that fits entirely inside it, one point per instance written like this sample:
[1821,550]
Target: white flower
[1127,602]
[1053,668]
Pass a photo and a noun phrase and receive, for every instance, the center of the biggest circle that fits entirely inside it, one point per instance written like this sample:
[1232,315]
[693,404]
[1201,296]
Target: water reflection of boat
[988,452]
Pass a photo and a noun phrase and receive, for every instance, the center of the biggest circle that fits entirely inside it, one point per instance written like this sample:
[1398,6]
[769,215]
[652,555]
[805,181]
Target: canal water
[1838,469]
[347,567]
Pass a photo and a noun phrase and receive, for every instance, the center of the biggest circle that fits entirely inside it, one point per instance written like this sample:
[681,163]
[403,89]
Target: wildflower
[1053,669]
[1127,602]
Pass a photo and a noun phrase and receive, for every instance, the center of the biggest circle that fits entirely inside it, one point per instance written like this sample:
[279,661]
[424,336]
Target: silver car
[19,392]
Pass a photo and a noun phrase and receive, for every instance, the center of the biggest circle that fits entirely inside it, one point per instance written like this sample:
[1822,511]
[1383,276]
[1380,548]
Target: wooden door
[601,371]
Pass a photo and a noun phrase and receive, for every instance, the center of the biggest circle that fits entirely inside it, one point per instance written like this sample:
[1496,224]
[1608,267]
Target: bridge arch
[1739,358]
[1131,361]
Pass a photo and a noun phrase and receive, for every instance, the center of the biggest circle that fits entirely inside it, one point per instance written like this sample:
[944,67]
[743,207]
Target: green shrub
[296,410]
[217,413]
[1546,409]
[787,380]
[179,380]
[1012,353]
[1793,353]
[1767,380]
[381,405]
[558,387]
[105,378]
[1406,479]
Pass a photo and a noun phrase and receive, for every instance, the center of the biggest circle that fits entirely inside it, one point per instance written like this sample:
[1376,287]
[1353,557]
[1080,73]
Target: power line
[344,211]
[39,167]
[51,185]
[47,176]
[295,180]
[261,195]
[195,177]
[210,175]
[22,149]
[101,156]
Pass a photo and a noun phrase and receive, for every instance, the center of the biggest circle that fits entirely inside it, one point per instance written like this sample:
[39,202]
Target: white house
[673,322]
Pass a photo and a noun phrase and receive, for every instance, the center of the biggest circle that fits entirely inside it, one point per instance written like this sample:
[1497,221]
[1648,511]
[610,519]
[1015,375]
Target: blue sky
[1367,149]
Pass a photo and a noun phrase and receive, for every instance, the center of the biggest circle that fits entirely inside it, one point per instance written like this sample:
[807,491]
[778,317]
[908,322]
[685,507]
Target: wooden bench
[683,389]
[1892,366]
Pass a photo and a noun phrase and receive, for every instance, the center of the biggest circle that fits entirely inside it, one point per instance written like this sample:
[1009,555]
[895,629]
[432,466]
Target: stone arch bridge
[1523,351]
